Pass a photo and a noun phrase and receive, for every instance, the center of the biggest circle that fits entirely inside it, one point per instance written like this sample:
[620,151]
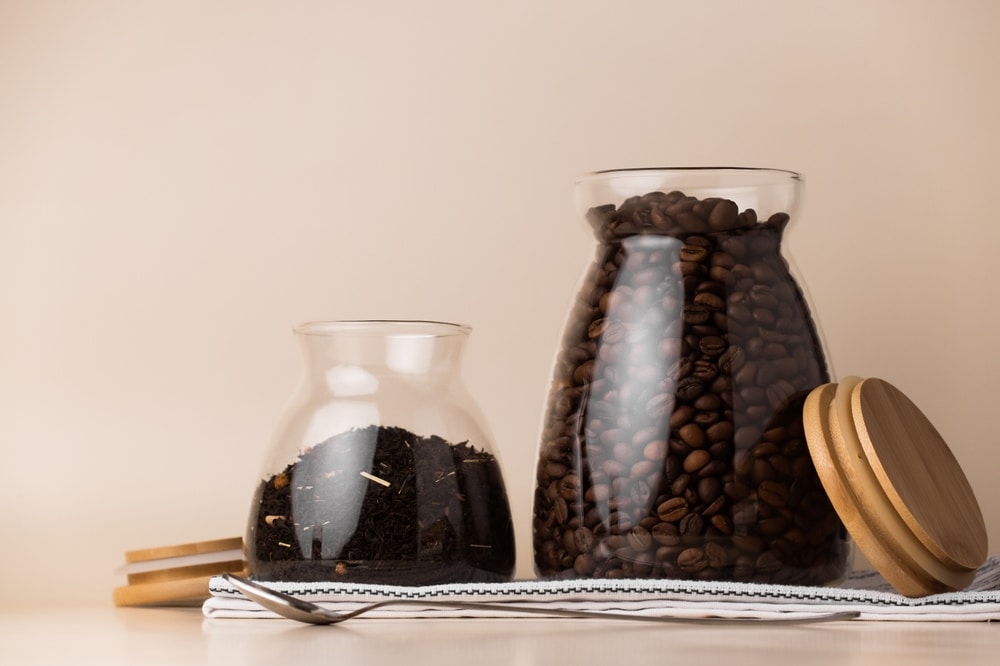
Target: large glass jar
[673,443]
[382,470]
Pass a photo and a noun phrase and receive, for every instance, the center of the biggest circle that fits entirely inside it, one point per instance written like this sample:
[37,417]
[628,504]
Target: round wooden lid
[896,485]
[184,549]
[177,574]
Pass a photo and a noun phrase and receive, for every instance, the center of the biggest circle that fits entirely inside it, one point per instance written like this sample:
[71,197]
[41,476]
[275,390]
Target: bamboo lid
[177,574]
[896,485]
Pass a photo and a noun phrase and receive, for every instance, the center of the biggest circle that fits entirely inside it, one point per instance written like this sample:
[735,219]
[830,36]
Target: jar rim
[410,328]
[689,169]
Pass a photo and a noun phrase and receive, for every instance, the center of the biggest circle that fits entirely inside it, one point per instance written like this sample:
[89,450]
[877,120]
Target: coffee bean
[767,563]
[584,565]
[722,451]
[693,253]
[584,372]
[696,460]
[712,345]
[732,359]
[584,539]
[692,435]
[672,510]
[720,432]
[619,522]
[724,215]
[716,555]
[639,539]
[560,510]
[665,533]
[782,466]
[691,525]
[640,494]
[689,388]
[773,492]
[679,486]
[692,560]
[569,487]
[709,489]
[659,406]
[709,302]
[713,468]
[746,436]
[682,414]
[723,523]
[656,450]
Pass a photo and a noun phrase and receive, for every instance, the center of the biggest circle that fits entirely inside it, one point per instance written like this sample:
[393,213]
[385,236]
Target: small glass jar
[383,469]
[673,442]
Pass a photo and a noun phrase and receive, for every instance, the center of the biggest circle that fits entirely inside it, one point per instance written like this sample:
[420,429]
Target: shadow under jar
[673,443]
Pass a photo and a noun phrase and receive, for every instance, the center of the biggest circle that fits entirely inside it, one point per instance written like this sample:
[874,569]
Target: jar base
[378,573]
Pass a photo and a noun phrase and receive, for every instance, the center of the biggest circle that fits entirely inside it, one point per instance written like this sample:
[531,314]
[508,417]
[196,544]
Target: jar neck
[686,201]
[409,350]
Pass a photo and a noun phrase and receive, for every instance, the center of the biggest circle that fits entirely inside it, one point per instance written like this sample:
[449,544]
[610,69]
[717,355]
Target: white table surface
[151,636]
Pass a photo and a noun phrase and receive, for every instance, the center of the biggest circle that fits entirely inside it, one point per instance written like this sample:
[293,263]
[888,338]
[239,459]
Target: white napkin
[865,591]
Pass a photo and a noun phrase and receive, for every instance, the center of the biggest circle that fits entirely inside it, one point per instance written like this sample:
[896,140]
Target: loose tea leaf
[382,504]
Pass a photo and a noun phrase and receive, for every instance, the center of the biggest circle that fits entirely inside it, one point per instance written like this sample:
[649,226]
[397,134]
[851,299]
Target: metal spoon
[305,611]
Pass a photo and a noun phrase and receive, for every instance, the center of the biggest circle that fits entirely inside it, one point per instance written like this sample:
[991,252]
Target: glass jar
[673,443]
[383,470]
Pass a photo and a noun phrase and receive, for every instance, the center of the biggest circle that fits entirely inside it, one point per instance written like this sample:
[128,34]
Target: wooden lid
[184,549]
[896,486]
[177,574]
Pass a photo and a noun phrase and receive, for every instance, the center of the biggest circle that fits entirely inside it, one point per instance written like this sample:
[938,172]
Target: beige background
[182,181]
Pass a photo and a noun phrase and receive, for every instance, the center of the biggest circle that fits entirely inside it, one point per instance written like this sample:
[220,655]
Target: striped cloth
[864,591]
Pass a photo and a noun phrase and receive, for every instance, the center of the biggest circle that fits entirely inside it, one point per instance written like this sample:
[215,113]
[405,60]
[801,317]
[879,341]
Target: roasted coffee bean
[679,486]
[640,494]
[639,539]
[713,468]
[689,388]
[710,302]
[672,510]
[692,435]
[569,487]
[673,443]
[705,371]
[584,539]
[692,560]
[712,345]
[584,565]
[560,510]
[722,451]
[724,215]
[706,418]
[696,460]
[682,414]
[691,525]
[659,406]
[722,523]
[709,489]
[693,253]
[665,533]
[773,492]
[716,555]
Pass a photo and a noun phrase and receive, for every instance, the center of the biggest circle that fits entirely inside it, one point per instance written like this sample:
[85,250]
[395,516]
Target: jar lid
[177,574]
[896,485]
